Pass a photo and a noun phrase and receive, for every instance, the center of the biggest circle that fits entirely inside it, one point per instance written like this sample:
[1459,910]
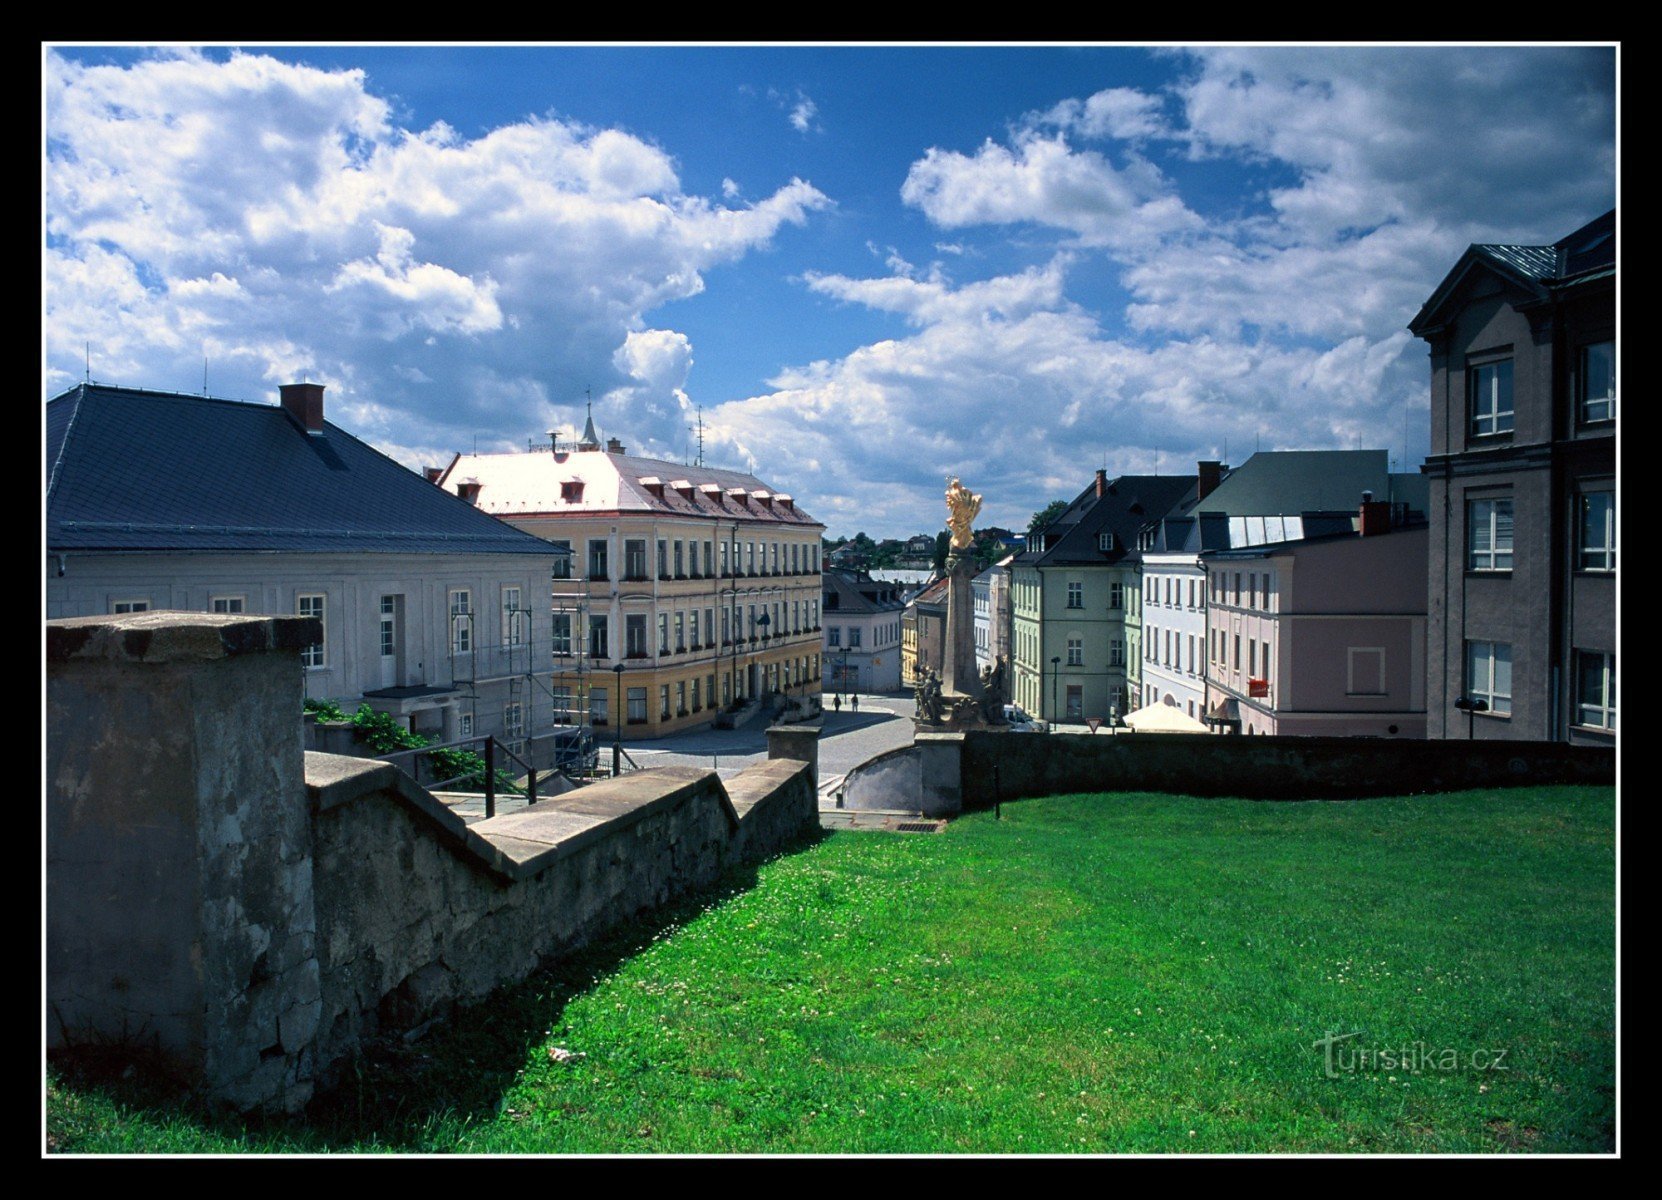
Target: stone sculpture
[962,507]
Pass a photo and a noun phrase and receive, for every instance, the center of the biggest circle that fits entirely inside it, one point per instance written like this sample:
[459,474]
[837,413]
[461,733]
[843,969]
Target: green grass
[1091,973]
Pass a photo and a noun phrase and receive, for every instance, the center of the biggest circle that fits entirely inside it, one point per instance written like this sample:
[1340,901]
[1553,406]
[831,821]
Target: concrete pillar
[940,773]
[178,846]
[797,742]
[958,674]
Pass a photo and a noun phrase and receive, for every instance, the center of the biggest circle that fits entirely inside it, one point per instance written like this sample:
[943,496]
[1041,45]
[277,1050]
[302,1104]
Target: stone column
[179,847]
[798,742]
[958,674]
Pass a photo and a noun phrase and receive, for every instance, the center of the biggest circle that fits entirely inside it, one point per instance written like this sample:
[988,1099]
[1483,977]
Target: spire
[591,439]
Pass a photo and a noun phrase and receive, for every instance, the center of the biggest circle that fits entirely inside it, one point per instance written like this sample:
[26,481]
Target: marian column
[959,678]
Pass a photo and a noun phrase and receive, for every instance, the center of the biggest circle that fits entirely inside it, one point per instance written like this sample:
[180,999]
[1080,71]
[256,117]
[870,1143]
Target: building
[923,633]
[862,632]
[1324,634]
[1076,621]
[1275,496]
[990,591]
[690,589]
[431,610]
[1522,471]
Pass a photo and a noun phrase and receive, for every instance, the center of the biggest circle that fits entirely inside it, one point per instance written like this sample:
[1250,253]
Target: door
[392,640]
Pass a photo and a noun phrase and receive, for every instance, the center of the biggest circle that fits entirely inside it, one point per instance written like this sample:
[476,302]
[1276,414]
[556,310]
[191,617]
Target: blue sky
[871,267]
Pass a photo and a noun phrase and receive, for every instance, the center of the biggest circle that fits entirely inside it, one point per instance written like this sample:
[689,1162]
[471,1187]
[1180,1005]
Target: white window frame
[464,725]
[1602,709]
[1586,404]
[1076,593]
[315,658]
[1487,417]
[513,616]
[1486,653]
[513,721]
[1484,513]
[129,605]
[240,602]
[1600,554]
[461,631]
[1076,652]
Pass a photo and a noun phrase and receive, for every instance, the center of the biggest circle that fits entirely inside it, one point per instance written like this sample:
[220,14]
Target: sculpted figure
[992,691]
[962,507]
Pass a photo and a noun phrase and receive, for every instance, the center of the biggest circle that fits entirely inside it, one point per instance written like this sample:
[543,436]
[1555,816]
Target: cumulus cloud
[276,217]
[1119,112]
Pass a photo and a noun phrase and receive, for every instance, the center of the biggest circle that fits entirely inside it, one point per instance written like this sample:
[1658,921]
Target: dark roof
[1295,481]
[933,595]
[135,470]
[857,592]
[1578,258]
[1126,505]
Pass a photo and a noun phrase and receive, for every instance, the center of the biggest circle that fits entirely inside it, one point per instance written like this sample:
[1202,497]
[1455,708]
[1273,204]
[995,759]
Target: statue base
[959,713]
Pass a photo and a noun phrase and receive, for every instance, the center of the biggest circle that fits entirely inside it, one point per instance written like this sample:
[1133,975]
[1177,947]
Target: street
[884,722]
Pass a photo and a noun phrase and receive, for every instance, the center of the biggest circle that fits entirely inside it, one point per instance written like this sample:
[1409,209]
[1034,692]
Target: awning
[1163,718]
[1227,711]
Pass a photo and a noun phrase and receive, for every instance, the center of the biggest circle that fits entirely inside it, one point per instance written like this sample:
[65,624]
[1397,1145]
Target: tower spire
[590,439]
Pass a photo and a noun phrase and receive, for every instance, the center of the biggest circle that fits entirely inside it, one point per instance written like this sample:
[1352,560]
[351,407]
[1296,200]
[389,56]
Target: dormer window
[1105,540]
[571,491]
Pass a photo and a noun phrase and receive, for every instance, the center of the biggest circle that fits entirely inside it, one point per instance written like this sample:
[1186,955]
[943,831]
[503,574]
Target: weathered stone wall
[254,912]
[1273,768]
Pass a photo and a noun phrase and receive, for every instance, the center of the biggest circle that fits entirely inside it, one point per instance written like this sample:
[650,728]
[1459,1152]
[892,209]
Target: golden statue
[962,505]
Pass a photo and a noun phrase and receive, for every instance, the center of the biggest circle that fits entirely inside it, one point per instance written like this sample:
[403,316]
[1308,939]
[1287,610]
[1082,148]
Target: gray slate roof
[1127,504]
[1296,481]
[131,470]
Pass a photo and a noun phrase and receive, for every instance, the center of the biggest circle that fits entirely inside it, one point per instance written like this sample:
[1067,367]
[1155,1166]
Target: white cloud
[803,113]
[276,215]
[1119,112]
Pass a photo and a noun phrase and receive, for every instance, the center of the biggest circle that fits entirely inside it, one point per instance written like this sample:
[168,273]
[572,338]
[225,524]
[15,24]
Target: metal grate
[919,826]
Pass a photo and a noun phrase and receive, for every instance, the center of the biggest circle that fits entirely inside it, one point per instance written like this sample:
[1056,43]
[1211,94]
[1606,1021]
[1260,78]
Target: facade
[1076,620]
[923,633]
[991,593]
[430,609]
[1321,636]
[1275,496]
[689,589]
[862,633]
[1522,471]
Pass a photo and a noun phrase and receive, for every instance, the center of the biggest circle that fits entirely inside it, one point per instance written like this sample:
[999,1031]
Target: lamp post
[762,623]
[1470,706]
[843,677]
[618,714]
[1055,670]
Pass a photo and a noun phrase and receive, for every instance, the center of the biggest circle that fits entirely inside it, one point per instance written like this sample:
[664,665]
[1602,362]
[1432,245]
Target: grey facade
[1522,594]
[862,620]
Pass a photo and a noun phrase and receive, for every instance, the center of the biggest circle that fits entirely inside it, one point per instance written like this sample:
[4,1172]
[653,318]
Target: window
[571,491]
[308,606]
[1489,674]
[634,635]
[1076,652]
[1598,382]
[389,626]
[663,701]
[726,632]
[461,621]
[709,558]
[1192,654]
[1489,535]
[1237,652]
[599,646]
[226,604]
[681,698]
[1076,595]
[562,564]
[134,606]
[663,633]
[1252,588]
[599,711]
[1265,602]
[834,636]
[692,559]
[1365,671]
[562,633]
[562,705]
[854,632]
[597,558]
[697,703]
[464,725]
[634,558]
[724,570]
[680,632]
[680,571]
[709,627]
[1597,522]
[513,618]
[1076,700]
[1595,690]
[663,559]
[637,706]
[1116,653]
[513,720]
[1491,397]
[1252,656]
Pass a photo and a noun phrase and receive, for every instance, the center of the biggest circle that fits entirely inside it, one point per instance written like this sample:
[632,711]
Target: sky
[866,268]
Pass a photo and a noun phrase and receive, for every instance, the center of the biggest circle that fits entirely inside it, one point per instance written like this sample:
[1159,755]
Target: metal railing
[492,752]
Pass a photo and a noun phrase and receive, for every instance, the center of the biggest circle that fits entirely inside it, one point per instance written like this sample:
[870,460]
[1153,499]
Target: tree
[1044,517]
[943,543]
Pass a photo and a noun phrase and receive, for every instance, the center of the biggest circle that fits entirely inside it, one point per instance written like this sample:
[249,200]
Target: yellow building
[688,589]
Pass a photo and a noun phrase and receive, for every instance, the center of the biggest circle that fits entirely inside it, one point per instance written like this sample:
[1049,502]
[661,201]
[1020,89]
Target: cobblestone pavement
[884,722]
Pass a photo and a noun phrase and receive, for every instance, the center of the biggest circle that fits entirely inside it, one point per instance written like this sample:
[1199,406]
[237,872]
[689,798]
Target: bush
[382,733]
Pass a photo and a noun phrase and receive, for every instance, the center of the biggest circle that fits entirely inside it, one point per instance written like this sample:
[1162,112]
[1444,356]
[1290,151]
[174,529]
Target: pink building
[1326,635]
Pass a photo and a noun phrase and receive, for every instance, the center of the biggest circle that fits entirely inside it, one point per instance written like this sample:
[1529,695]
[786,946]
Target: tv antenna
[699,429]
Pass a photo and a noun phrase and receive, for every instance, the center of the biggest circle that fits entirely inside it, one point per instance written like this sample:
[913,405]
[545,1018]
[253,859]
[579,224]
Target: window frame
[1476,371]
[1475,508]
[1607,551]
[315,658]
[1489,694]
[461,632]
[1582,401]
[239,599]
[1605,706]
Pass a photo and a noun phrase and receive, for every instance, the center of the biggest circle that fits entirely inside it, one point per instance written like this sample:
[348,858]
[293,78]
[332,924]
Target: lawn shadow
[394,1090]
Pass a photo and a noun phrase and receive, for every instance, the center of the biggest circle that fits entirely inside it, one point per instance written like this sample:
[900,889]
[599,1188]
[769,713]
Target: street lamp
[617,720]
[1055,670]
[762,623]
[844,676]
[1470,705]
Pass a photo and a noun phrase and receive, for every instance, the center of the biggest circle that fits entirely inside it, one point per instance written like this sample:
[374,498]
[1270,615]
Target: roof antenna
[204,374]
[89,363]
[699,429]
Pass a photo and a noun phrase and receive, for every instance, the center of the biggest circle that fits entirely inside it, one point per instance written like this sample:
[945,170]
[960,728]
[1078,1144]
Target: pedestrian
[854,702]
[837,702]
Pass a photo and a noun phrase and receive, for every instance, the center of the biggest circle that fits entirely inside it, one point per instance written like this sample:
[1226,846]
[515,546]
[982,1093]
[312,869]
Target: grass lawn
[1092,973]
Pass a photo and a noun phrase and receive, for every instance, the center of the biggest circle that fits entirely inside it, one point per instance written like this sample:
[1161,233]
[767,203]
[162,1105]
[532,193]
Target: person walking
[854,702]
[837,702]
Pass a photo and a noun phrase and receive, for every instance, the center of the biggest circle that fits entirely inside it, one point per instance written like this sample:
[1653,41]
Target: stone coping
[756,783]
[521,844]
[166,636]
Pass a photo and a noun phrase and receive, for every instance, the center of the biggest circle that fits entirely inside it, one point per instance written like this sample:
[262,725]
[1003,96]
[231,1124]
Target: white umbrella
[1163,718]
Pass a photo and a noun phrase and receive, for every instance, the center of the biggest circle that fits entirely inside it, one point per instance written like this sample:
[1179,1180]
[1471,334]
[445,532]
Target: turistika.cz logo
[1343,1055]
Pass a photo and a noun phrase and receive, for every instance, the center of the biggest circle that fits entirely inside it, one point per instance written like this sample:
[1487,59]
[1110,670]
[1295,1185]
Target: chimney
[1101,482]
[1211,474]
[304,404]
[468,490]
[432,473]
[1375,516]
[613,446]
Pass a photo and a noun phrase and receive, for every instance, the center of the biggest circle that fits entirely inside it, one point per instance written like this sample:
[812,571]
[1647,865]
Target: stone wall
[254,911]
[1271,768]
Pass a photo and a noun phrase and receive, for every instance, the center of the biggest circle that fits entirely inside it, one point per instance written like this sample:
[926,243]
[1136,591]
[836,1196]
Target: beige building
[688,589]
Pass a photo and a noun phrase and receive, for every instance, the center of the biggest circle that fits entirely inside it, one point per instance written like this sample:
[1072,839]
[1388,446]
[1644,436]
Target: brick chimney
[1375,517]
[304,404]
[1211,474]
[432,473]
[613,446]
[1101,482]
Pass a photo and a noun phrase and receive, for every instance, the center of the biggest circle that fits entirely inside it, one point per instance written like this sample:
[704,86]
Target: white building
[862,619]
